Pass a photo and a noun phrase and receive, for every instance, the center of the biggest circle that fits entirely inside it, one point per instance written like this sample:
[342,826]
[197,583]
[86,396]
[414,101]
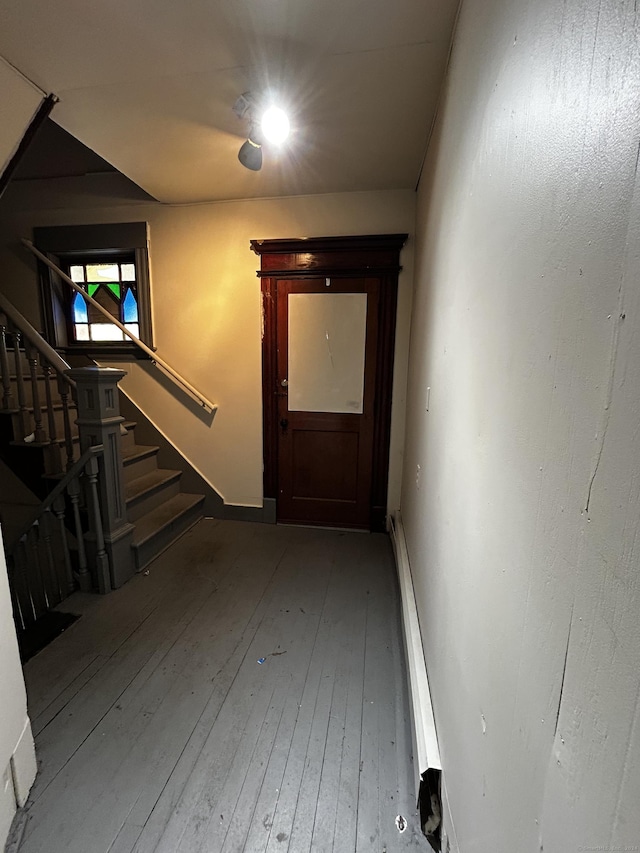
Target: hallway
[159,726]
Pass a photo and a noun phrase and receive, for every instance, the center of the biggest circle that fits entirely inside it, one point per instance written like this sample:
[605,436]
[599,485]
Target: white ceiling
[149,85]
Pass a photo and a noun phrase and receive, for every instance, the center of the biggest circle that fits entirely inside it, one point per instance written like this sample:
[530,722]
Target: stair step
[159,528]
[138,451]
[128,437]
[138,460]
[149,491]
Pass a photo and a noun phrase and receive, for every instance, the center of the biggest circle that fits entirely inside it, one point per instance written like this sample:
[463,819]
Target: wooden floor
[247,694]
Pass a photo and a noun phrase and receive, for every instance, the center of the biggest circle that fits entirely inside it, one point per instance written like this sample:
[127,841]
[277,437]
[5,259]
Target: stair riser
[128,440]
[133,470]
[58,417]
[142,505]
[23,361]
[28,391]
[149,550]
[55,458]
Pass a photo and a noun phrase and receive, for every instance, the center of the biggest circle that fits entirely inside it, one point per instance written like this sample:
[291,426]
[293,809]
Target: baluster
[63,390]
[84,578]
[7,396]
[54,449]
[25,416]
[102,561]
[21,558]
[15,586]
[32,356]
[37,586]
[58,511]
[52,579]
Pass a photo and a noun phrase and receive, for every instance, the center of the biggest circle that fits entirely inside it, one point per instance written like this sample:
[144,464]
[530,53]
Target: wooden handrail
[76,468]
[35,338]
[173,374]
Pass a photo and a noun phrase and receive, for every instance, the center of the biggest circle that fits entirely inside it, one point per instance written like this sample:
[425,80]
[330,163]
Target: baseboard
[192,480]
[15,784]
[23,765]
[449,837]
[234,512]
[426,752]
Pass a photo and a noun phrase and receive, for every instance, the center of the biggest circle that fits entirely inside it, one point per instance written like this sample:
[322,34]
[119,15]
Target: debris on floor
[401,823]
[430,805]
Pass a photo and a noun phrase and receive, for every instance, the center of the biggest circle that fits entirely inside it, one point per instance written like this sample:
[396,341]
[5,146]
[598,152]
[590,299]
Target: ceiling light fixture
[275,125]
[265,123]
[250,153]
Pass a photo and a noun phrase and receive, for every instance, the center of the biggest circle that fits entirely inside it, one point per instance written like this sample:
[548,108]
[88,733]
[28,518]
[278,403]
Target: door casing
[371,256]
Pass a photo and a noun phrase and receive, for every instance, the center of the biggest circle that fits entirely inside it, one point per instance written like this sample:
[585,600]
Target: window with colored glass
[112,283]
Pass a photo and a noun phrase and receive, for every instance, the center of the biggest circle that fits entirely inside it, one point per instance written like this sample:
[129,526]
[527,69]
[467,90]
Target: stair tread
[17,442]
[160,517]
[57,407]
[138,451]
[141,485]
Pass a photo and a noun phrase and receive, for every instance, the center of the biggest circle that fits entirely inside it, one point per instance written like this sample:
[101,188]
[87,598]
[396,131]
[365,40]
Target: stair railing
[207,405]
[40,559]
[99,425]
[34,413]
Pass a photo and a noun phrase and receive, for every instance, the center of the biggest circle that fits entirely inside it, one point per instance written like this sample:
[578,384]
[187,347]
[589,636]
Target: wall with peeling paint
[521,495]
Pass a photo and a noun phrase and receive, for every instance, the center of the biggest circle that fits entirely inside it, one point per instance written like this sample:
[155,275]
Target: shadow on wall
[156,372]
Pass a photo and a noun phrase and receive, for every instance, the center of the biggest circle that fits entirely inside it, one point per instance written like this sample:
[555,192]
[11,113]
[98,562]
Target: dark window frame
[64,244]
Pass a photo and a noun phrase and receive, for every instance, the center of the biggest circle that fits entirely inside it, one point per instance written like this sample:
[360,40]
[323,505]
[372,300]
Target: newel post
[99,422]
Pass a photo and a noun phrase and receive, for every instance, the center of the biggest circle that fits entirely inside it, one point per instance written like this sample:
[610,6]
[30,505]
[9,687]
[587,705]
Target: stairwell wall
[206,304]
[18,105]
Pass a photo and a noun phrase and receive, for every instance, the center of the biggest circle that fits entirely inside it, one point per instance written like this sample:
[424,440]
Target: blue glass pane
[130,308]
[79,310]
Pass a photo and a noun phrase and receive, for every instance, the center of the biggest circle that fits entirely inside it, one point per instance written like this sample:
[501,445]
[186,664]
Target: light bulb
[275,125]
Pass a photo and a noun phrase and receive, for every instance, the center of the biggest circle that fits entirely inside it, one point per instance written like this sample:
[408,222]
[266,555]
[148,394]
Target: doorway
[329,329]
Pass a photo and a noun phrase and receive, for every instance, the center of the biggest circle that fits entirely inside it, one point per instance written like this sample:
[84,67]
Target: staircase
[155,504]
[39,441]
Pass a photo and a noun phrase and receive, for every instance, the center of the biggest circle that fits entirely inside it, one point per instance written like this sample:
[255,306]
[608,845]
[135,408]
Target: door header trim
[349,256]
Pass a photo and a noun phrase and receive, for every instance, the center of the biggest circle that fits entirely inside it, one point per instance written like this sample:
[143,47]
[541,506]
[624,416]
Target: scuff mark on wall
[606,413]
[564,672]
[326,334]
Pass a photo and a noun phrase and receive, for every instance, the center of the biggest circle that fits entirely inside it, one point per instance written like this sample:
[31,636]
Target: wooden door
[326,448]
[326,349]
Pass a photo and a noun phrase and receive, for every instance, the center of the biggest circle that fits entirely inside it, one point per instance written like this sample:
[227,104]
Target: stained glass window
[130,307]
[104,282]
[79,310]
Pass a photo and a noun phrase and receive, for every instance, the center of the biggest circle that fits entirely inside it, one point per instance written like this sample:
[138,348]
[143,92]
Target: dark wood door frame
[343,257]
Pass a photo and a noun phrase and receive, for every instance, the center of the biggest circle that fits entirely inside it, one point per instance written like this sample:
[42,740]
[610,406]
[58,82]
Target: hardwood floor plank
[298,603]
[163,733]
[130,715]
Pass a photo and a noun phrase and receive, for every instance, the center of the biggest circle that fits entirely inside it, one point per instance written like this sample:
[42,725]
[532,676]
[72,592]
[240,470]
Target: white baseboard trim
[427,754]
[23,765]
[15,783]
[449,837]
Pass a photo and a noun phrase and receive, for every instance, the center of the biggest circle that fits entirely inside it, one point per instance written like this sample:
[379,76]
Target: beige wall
[19,101]
[206,306]
[522,521]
